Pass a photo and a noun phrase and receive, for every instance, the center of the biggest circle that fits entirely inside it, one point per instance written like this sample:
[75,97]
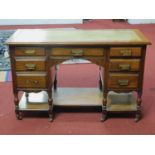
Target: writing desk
[119,53]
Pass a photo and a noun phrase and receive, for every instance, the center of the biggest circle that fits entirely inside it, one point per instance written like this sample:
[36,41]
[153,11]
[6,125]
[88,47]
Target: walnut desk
[119,53]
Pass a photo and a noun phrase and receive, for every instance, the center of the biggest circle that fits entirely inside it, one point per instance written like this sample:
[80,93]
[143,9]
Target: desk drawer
[123,81]
[30,64]
[125,52]
[77,52]
[29,51]
[31,80]
[124,64]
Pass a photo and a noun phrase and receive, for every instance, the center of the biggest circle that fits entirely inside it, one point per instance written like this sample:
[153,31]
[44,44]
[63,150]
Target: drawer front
[119,81]
[124,64]
[33,65]
[77,52]
[28,51]
[31,81]
[125,52]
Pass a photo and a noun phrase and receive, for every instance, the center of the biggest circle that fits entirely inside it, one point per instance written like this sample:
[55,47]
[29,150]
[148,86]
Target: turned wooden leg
[17,111]
[100,81]
[100,84]
[27,97]
[55,78]
[138,114]
[104,112]
[55,82]
[50,101]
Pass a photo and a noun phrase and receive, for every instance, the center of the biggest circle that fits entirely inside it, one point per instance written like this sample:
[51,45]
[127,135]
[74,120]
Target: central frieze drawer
[119,81]
[30,64]
[124,64]
[125,52]
[31,80]
[29,51]
[77,52]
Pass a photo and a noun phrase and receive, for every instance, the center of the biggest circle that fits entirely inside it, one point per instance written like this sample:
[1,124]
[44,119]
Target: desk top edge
[18,37]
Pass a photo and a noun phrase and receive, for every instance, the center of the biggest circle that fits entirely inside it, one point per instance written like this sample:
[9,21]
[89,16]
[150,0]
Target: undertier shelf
[121,102]
[78,97]
[64,97]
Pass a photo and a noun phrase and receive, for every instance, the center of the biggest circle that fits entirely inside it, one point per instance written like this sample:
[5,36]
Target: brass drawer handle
[32,82]
[77,52]
[35,82]
[30,52]
[123,82]
[126,52]
[30,66]
[124,67]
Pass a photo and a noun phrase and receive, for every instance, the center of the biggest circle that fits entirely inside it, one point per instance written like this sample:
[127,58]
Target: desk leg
[55,78]
[105,74]
[17,111]
[55,82]
[27,97]
[104,112]
[138,112]
[50,101]
[100,84]
[100,79]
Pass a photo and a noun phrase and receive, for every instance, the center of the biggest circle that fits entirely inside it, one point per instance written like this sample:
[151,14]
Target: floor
[84,75]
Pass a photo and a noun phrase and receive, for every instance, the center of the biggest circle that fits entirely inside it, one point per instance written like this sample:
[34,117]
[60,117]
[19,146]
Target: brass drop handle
[123,82]
[35,82]
[77,52]
[124,67]
[32,82]
[126,52]
[30,52]
[30,66]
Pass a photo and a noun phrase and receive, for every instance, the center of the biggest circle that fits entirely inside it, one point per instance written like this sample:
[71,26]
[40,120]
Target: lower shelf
[78,97]
[36,101]
[121,102]
[64,97]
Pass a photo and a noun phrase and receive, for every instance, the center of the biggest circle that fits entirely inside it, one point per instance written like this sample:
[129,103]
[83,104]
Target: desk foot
[50,117]
[19,115]
[103,117]
[138,116]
